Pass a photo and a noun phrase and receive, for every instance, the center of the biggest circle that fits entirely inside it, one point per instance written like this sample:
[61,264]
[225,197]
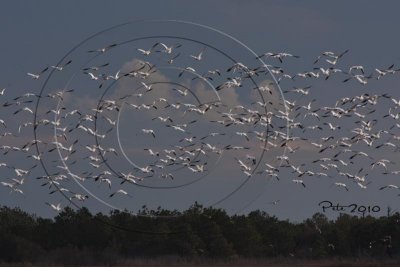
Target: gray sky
[37,34]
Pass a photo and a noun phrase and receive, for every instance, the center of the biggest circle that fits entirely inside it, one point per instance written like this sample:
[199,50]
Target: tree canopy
[78,236]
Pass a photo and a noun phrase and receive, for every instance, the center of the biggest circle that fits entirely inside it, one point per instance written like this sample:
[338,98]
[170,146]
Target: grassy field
[234,263]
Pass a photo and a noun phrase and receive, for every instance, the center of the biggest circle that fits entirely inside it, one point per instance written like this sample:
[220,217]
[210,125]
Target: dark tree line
[79,237]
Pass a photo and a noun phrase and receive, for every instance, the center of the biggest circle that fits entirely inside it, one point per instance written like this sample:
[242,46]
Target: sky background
[36,34]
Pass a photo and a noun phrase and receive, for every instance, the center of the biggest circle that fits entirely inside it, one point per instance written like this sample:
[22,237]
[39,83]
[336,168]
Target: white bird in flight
[199,56]
[37,76]
[55,207]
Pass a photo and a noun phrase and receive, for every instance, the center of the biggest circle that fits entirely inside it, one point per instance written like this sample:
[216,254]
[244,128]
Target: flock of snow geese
[350,140]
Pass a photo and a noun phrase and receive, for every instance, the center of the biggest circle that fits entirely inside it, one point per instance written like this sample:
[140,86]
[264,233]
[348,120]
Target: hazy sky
[38,34]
